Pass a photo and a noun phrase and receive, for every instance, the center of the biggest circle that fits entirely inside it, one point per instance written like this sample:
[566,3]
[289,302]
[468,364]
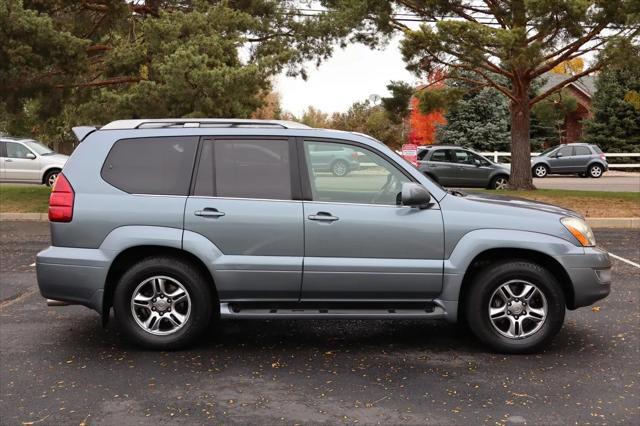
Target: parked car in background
[335,159]
[574,158]
[29,161]
[176,223]
[454,166]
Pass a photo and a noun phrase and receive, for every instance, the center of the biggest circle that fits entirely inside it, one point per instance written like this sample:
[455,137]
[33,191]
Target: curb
[594,222]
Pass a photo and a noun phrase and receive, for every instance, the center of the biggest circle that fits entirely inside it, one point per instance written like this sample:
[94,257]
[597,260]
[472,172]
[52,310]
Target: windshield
[38,147]
[548,150]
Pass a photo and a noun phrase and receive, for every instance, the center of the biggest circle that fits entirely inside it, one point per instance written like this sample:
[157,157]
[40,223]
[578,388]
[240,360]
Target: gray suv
[574,158]
[177,223]
[454,166]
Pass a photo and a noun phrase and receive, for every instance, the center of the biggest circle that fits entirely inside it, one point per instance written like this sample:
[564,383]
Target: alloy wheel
[160,305]
[51,179]
[541,171]
[517,309]
[595,171]
[501,183]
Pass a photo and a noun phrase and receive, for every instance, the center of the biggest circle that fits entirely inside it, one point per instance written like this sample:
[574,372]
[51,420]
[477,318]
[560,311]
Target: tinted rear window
[159,166]
[245,169]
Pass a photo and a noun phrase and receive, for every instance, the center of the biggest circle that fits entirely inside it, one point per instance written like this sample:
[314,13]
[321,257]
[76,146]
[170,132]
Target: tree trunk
[520,144]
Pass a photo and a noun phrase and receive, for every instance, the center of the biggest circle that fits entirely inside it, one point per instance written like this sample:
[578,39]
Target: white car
[29,161]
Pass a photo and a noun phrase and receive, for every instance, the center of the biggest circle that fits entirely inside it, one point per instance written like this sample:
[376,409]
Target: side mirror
[558,155]
[31,156]
[415,195]
[477,162]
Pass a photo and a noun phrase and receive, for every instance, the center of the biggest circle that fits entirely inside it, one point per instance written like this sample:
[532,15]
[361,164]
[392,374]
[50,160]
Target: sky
[351,74]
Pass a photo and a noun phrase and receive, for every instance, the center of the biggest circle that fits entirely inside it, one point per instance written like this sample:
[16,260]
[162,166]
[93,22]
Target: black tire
[340,168]
[50,177]
[596,171]
[540,171]
[583,175]
[499,182]
[492,277]
[195,283]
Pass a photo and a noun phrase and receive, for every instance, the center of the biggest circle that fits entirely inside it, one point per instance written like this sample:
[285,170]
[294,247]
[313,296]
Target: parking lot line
[622,259]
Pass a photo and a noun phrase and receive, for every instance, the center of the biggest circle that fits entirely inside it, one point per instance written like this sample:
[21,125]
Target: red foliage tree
[423,126]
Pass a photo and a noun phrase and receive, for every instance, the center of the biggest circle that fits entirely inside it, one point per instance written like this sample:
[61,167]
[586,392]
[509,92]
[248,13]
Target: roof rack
[158,123]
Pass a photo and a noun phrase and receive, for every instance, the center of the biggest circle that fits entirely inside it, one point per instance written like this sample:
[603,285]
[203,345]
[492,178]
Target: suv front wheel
[163,303]
[515,306]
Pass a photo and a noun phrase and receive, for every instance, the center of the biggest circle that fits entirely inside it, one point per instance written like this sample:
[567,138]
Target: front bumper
[590,276]
[73,275]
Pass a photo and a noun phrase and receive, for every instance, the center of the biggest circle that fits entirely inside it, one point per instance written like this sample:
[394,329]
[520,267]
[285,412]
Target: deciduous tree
[517,40]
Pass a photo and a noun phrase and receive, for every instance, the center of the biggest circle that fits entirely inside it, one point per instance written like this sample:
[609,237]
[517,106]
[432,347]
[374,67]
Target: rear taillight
[61,200]
[603,157]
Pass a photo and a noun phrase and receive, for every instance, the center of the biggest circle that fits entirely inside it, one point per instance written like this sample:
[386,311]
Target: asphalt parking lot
[58,366]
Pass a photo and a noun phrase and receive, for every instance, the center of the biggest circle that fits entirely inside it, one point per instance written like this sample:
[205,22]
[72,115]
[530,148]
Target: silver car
[575,158]
[177,223]
[29,161]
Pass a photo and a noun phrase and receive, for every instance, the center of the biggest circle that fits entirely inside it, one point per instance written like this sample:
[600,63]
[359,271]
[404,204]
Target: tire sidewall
[201,303]
[477,305]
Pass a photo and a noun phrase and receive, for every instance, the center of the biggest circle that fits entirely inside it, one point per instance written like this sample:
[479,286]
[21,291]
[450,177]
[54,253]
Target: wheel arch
[494,255]
[131,255]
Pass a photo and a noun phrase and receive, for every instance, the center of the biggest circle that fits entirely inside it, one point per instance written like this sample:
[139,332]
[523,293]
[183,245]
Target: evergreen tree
[479,120]
[615,125]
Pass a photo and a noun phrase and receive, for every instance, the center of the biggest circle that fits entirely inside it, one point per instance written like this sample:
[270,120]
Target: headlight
[580,230]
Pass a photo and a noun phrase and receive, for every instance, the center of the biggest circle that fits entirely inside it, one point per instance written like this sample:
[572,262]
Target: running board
[237,311]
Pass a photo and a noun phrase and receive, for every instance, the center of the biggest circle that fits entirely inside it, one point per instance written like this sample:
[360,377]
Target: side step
[238,311]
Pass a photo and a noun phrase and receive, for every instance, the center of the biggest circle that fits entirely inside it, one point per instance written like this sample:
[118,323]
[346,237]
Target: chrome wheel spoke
[141,301]
[176,319]
[517,309]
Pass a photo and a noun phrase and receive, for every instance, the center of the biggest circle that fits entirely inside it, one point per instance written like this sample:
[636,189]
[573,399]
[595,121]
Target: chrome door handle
[323,216]
[209,212]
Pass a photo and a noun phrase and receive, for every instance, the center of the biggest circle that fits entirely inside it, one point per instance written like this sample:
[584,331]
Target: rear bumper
[73,275]
[590,276]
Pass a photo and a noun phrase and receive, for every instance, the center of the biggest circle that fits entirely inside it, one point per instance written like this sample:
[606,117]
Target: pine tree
[615,125]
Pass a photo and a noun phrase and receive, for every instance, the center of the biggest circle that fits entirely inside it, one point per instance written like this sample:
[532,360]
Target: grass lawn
[588,203]
[24,198]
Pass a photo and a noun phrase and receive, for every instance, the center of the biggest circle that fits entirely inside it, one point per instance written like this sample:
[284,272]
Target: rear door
[360,244]
[442,165]
[246,201]
[580,159]
[18,166]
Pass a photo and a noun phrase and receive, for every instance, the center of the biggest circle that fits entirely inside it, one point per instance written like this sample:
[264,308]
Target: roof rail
[158,123]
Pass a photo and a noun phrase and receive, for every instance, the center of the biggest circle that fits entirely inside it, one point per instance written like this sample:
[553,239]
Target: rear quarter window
[596,149]
[157,166]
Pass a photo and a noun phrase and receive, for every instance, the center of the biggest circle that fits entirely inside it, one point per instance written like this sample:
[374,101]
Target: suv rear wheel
[595,171]
[515,306]
[163,303]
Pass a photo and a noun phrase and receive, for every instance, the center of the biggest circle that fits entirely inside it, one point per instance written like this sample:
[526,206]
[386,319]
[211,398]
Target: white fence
[496,155]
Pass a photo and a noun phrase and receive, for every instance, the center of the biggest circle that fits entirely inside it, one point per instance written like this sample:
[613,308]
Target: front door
[247,204]
[20,164]
[561,160]
[360,244]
